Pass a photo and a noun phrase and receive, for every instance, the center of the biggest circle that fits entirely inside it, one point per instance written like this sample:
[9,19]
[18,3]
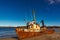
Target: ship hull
[22,34]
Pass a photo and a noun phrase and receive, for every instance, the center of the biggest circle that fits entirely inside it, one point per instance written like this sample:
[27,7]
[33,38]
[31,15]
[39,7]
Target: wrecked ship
[32,29]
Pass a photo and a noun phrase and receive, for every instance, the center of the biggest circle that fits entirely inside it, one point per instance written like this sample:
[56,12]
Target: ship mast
[34,17]
[43,23]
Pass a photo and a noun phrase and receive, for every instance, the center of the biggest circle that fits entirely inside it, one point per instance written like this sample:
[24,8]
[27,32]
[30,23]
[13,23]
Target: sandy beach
[55,36]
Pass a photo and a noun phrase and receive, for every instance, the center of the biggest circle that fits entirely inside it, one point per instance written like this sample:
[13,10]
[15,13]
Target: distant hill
[26,27]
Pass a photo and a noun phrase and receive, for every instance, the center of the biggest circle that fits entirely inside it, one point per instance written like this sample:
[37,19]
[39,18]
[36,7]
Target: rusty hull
[22,34]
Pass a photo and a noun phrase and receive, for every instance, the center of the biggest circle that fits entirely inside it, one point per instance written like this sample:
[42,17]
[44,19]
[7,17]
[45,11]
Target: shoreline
[54,36]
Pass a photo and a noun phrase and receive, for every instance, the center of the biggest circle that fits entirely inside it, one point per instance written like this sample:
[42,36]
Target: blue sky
[13,12]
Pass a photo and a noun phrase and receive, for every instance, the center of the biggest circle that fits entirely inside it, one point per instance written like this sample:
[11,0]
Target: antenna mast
[34,17]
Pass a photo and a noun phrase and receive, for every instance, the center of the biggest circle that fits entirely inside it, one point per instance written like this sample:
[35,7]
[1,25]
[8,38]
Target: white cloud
[51,1]
[58,1]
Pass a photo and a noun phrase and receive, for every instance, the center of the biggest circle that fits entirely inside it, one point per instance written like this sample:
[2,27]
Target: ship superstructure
[33,26]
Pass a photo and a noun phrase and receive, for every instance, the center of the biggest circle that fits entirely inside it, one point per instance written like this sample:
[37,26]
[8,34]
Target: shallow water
[7,32]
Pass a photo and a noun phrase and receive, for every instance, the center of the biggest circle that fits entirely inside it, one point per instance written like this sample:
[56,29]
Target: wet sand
[54,36]
[8,39]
